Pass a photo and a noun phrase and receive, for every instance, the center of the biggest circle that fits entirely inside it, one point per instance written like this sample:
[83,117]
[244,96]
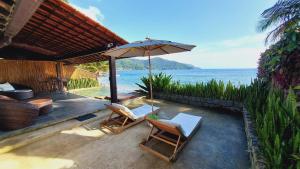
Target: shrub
[82,83]
[277,124]
[212,89]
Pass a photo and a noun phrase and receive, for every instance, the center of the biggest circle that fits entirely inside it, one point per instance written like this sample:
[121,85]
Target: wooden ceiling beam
[23,11]
[14,53]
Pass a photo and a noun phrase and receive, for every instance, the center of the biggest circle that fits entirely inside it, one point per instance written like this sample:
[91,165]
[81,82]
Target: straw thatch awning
[53,31]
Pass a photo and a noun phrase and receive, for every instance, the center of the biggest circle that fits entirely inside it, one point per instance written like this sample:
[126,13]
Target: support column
[59,76]
[113,80]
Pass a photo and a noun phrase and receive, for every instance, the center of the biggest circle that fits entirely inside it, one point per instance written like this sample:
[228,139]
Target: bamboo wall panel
[35,74]
[29,73]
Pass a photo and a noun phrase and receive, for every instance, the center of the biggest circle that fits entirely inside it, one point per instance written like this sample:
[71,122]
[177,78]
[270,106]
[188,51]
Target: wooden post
[59,76]
[113,80]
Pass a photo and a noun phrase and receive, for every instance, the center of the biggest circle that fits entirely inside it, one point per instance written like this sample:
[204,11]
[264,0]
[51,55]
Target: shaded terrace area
[55,33]
[219,143]
[65,107]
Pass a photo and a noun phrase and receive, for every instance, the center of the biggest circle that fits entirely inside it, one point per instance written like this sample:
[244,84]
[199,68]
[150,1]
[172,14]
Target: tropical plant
[95,67]
[163,83]
[277,124]
[82,83]
[285,14]
[159,82]
[279,62]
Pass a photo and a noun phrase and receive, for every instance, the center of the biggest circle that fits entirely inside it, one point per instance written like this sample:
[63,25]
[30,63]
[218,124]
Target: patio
[65,107]
[219,143]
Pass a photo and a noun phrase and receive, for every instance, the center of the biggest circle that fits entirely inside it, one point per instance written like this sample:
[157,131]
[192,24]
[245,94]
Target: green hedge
[212,89]
[277,122]
[82,83]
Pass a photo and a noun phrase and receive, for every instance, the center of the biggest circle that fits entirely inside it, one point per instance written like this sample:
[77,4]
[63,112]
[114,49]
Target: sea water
[126,80]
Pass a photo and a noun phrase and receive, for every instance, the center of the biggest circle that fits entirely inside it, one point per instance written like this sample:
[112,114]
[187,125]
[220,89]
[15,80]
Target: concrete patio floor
[219,143]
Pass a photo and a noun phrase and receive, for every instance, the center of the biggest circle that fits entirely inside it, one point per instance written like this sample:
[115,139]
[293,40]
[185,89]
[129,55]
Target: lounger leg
[124,121]
[176,147]
[109,117]
[150,133]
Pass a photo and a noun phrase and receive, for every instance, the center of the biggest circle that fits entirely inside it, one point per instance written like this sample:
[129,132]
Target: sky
[224,31]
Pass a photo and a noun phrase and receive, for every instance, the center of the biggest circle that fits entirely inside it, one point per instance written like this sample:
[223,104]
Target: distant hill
[157,64]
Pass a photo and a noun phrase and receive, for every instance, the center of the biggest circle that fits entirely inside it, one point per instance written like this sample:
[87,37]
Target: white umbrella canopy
[148,47]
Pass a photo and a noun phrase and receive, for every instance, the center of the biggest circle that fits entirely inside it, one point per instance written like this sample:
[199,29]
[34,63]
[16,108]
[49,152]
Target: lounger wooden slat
[165,133]
[120,120]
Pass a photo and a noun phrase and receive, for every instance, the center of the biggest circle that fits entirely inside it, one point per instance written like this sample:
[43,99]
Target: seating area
[26,114]
[19,107]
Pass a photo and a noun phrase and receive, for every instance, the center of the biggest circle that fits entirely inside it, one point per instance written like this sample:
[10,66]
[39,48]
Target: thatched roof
[55,31]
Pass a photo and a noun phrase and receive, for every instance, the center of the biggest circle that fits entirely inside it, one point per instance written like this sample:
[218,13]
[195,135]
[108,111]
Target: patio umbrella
[148,47]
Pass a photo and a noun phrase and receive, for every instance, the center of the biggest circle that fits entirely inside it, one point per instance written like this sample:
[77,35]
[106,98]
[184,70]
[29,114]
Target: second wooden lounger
[174,134]
[122,118]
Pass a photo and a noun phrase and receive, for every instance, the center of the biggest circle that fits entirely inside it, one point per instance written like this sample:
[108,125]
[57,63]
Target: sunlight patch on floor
[13,161]
[84,132]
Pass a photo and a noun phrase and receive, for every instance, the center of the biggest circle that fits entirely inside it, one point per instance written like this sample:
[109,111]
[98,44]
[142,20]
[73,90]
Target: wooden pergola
[52,30]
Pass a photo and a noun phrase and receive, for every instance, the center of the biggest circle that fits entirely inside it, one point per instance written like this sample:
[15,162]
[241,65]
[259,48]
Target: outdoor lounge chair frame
[122,121]
[163,130]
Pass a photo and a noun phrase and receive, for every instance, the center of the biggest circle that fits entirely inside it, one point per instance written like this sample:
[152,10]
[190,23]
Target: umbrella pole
[150,79]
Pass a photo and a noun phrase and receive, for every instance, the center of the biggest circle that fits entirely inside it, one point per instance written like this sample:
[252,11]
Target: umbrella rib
[164,50]
[125,53]
[181,48]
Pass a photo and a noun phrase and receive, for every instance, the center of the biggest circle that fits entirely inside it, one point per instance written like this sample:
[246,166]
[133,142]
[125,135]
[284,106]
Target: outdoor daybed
[16,114]
[125,117]
[16,91]
[170,136]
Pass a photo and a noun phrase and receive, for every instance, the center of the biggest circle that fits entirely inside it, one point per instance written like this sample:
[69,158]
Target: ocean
[126,80]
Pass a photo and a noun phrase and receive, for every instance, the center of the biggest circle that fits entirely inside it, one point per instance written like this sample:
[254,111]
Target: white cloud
[242,52]
[92,12]
[243,41]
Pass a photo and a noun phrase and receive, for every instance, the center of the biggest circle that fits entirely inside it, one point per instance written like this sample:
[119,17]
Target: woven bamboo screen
[35,74]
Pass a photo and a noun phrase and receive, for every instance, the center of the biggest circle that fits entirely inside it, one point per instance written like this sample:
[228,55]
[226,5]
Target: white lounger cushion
[143,111]
[187,122]
[137,112]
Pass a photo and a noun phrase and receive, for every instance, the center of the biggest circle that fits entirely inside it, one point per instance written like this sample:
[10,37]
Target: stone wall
[257,160]
[201,102]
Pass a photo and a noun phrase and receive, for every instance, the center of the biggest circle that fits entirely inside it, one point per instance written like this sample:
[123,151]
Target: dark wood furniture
[18,94]
[15,114]
[45,105]
[21,92]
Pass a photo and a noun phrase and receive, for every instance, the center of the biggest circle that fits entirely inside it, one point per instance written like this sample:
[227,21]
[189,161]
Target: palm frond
[284,15]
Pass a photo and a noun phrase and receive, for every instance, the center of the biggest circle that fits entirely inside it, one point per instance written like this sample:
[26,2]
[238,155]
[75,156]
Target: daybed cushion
[187,122]
[6,87]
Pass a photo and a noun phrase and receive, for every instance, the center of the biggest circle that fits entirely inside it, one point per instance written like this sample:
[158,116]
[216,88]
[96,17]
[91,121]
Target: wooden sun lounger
[170,135]
[120,120]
